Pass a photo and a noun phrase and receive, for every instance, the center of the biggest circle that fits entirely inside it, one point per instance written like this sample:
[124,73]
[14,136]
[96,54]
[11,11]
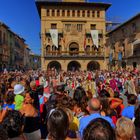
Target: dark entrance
[54,64]
[93,65]
[74,66]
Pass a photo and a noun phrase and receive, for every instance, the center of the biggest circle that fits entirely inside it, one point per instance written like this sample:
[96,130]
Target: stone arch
[93,65]
[54,64]
[73,66]
[73,48]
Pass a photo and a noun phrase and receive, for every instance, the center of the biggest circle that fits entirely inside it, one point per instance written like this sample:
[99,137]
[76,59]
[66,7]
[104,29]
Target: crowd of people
[73,105]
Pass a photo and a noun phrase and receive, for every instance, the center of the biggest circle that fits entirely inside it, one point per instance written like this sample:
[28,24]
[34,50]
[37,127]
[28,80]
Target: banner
[94,35]
[85,42]
[54,36]
[111,57]
[120,56]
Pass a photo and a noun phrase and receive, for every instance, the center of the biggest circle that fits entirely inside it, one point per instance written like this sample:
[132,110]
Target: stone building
[12,49]
[124,44]
[73,21]
[4,47]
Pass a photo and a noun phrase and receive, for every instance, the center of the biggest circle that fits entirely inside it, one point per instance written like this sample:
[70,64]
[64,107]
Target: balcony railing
[74,54]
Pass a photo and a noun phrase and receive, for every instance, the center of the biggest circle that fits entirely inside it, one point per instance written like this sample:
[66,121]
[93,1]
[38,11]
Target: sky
[22,17]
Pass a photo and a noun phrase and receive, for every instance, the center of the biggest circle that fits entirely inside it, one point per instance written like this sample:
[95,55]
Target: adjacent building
[124,44]
[14,53]
[73,34]
[4,47]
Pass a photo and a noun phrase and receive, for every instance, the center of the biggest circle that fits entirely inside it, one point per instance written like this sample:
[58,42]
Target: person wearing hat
[19,98]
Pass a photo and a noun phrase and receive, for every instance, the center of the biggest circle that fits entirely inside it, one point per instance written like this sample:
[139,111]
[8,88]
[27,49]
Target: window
[63,13]
[4,40]
[93,26]
[68,27]
[73,13]
[68,13]
[48,12]
[53,13]
[93,13]
[134,27]
[83,13]
[78,13]
[98,13]
[53,26]
[88,13]
[79,27]
[58,13]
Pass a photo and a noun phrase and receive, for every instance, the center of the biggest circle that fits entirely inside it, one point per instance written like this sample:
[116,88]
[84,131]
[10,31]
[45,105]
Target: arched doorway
[93,65]
[73,48]
[54,64]
[74,66]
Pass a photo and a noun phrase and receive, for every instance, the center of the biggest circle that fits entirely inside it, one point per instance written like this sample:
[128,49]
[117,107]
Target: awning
[136,42]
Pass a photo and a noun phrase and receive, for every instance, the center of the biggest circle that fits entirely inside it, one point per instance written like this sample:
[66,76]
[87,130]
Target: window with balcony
[54,49]
[53,13]
[98,13]
[49,40]
[88,13]
[48,13]
[88,50]
[79,27]
[93,13]
[78,13]
[93,26]
[67,27]
[48,49]
[83,13]
[68,13]
[53,26]
[58,13]
[73,13]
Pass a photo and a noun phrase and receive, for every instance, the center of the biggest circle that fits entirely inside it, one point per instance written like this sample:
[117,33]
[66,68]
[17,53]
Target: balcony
[74,54]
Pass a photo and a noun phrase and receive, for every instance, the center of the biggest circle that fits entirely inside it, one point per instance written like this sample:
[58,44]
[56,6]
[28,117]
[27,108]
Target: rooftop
[39,3]
[8,28]
[123,24]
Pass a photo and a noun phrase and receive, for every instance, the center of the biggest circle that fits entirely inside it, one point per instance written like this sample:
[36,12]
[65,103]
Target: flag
[120,56]
[85,43]
[111,57]
[54,36]
[63,42]
[94,35]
